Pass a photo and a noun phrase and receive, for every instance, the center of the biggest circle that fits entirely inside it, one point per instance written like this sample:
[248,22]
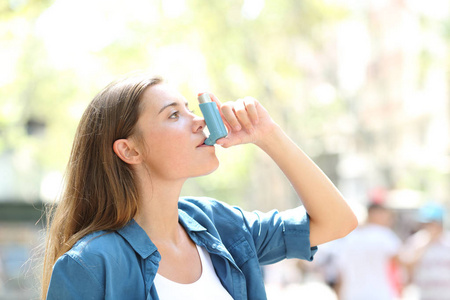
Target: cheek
[166,151]
[171,153]
[164,141]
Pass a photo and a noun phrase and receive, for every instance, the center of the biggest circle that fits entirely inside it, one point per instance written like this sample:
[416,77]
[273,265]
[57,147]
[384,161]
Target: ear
[125,150]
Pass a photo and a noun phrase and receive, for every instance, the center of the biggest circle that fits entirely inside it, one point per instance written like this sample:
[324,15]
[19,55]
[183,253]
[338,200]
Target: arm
[249,122]
[330,216]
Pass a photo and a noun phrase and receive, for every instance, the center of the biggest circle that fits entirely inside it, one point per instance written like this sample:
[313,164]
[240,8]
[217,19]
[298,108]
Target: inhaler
[212,118]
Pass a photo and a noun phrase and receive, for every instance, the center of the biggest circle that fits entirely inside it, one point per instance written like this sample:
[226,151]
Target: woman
[121,231]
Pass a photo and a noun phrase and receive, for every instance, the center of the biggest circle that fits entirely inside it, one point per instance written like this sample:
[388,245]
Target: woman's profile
[121,230]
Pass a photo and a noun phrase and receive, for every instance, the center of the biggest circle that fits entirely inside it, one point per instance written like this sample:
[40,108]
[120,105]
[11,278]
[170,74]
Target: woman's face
[173,136]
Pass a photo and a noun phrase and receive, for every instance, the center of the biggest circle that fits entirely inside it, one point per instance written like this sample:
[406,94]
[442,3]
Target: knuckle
[240,111]
[251,100]
[227,106]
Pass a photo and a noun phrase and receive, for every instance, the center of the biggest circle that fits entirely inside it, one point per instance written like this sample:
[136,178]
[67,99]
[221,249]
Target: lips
[202,143]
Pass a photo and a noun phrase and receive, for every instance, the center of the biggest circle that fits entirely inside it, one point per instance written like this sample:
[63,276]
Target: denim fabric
[122,264]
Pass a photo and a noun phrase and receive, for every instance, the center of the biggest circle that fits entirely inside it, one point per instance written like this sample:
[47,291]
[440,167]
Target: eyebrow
[170,105]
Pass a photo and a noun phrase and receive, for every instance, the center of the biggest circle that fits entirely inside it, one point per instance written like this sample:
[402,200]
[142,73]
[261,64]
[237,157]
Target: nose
[198,124]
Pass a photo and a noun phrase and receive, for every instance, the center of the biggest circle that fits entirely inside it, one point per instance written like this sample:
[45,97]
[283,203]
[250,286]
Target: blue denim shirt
[122,264]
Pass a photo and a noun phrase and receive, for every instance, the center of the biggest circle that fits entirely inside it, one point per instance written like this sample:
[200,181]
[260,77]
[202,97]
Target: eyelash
[176,114]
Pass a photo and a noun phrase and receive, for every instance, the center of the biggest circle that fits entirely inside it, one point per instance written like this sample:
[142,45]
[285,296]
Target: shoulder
[205,204]
[293,219]
[204,210]
[94,267]
[228,218]
[97,253]
[81,270]
[198,207]
[98,243]
[286,232]
[102,250]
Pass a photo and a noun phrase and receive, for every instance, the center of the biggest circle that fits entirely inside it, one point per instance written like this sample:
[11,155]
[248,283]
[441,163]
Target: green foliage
[54,60]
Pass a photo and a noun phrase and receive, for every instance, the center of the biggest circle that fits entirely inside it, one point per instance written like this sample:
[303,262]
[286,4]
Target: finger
[219,106]
[242,115]
[215,99]
[250,106]
[229,116]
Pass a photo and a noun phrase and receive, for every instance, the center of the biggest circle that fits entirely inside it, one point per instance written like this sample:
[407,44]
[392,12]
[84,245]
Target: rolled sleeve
[296,234]
[280,235]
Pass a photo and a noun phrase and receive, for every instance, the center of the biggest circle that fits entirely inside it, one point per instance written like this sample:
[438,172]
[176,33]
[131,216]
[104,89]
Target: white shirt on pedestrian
[363,262]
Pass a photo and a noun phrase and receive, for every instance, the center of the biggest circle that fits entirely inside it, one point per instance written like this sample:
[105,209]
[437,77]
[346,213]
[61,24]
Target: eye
[175,115]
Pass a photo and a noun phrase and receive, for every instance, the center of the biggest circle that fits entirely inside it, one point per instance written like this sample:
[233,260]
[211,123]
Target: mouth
[202,143]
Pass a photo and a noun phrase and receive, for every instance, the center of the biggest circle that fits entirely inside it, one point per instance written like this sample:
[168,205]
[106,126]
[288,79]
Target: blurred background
[361,85]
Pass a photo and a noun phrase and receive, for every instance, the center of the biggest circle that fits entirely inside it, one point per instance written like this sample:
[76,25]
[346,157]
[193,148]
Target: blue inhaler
[212,118]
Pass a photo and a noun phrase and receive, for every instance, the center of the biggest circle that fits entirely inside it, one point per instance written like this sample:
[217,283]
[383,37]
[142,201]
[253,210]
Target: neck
[158,212]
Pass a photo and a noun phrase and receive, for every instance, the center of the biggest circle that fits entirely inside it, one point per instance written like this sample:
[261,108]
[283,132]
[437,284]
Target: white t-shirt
[363,261]
[207,287]
[432,272]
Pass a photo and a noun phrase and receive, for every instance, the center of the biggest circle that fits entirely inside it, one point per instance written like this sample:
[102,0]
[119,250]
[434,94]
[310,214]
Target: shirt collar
[141,243]
[188,222]
[138,239]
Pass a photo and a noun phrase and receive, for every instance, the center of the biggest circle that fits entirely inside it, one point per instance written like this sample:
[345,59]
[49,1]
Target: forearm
[330,215]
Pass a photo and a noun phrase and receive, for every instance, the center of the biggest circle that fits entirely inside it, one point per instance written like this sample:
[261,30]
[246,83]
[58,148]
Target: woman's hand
[247,121]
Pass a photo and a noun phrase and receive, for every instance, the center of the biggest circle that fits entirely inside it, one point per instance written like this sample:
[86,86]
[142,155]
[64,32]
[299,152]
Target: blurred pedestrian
[426,255]
[325,264]
[366,257]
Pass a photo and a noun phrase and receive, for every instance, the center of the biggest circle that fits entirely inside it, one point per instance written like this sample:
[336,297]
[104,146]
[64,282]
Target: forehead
[159,95]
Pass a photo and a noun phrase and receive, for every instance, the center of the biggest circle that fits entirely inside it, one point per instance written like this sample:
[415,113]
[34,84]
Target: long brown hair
[99,191]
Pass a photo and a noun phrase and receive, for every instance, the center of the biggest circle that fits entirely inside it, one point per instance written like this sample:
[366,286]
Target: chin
[209,170]
[213,170]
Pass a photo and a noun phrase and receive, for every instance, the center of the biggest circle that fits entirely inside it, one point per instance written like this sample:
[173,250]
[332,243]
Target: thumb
[224,142]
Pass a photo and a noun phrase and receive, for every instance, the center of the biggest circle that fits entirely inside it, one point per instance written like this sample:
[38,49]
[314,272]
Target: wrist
[271,138]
